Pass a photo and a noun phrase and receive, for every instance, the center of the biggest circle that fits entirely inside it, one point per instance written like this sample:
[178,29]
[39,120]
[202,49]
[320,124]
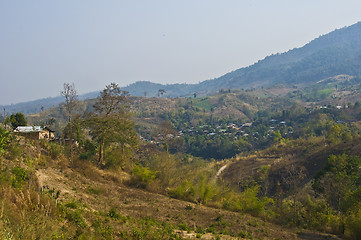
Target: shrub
[54,150]
[248,202]
[72,205]
[114,215]
[20,175]
[143,175]
[4,137]
[185,191]
[76,217]
[95,191]
[14,151]
[89,150]
[353,225]
[183,227]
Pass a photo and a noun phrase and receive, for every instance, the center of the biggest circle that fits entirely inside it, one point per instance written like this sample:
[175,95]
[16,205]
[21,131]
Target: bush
[20,175]
[4,138]
[76,217]
[54,150]
[185,191]
[95,191]
[353,225]
[143,175]
[114,215]
[14,151]
[89,150]
[248,202]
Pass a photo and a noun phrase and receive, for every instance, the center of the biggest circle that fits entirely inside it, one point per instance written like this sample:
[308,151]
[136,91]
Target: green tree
[338,180]
[111,123]
[17,119]
[277,137]
[242,145]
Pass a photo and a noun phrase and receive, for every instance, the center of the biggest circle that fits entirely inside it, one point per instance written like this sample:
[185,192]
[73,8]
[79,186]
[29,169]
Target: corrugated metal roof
[28,129]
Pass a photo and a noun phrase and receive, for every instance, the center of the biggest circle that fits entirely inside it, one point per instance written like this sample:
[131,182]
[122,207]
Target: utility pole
[5,118]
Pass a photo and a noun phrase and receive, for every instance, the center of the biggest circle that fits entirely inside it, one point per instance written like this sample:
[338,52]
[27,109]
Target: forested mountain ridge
[335,53]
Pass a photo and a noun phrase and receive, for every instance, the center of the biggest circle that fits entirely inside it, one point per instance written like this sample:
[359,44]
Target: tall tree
[71,99]
[111,122]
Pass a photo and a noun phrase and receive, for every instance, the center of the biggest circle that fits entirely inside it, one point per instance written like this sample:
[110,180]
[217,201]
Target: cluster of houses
[230,129]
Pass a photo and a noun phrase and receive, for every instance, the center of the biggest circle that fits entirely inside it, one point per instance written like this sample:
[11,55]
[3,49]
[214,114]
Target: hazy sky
[92,43]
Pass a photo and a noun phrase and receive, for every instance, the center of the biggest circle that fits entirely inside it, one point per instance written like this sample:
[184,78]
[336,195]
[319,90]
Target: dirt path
[221,170]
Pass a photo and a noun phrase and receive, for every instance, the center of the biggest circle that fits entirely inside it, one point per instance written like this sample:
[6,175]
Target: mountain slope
[338,52]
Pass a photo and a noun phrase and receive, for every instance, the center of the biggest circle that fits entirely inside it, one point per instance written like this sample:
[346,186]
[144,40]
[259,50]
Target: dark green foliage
[89,150]
[17,119]
[339,178]
[217,146]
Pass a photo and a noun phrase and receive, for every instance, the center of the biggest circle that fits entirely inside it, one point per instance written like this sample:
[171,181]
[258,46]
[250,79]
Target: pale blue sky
[92,43]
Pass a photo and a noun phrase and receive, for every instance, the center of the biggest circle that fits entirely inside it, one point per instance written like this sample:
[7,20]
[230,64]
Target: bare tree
[71,99]
[112,100]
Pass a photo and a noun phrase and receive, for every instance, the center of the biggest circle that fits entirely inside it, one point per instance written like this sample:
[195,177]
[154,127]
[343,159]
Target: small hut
[35,132]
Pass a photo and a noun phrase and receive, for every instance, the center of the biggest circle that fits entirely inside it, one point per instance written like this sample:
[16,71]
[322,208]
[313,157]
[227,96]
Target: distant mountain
[149,89]
[41,104]
[336,53]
